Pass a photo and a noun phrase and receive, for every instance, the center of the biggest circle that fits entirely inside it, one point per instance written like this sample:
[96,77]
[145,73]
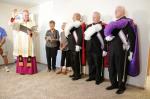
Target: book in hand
[24,29]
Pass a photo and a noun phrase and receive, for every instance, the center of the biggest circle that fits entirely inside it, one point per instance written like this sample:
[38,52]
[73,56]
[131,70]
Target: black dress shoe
[120,91]
[98,82]
[54,69]
[48,70]
[71,76]
[90,79]
[76,78]
[111,87]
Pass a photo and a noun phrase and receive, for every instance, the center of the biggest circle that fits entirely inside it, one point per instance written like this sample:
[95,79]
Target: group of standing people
[117,39]
[80,43]
[71,44]
[53,44]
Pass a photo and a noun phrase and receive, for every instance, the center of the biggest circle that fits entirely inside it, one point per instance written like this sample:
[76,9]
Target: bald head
[120,12]
[96,17]
[76,17]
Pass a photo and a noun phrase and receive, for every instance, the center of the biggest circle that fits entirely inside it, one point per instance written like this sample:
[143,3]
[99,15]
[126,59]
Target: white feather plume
[68,27]
[91,30]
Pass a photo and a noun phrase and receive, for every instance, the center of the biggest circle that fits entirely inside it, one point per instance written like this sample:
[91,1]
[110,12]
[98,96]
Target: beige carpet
[44,85]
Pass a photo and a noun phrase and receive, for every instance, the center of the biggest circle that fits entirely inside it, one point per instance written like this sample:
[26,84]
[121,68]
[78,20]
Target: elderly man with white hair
[73,32]
[121,36]
[96,48]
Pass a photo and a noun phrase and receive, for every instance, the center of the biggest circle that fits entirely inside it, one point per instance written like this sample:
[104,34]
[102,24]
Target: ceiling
[26,3]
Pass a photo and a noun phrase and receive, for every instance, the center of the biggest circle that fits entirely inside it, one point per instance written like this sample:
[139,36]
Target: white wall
[5,10]
[62,10]
[149,30]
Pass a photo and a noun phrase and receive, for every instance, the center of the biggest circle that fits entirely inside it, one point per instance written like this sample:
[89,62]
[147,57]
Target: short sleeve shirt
[2,33]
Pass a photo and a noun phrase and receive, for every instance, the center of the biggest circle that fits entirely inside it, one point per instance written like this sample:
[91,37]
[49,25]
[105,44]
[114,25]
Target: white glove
[109,38]
[77,48]
[104,53]
[130,57]
[126,47]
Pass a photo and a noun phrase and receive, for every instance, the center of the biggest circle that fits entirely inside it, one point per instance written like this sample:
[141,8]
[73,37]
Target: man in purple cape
[133,68]
[124,52]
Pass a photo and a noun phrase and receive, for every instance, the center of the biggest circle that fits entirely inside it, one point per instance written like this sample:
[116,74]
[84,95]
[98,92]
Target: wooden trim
[148,69]
[8,64]
[107,80]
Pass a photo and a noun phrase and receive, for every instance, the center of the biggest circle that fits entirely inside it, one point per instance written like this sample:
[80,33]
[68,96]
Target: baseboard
[148,69]
[8,64]
[86,75]
[41,63]
[139,87]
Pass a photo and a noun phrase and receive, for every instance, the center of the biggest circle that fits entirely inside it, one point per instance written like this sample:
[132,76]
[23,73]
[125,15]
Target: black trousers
[51,54]
[75,63]
[95,66]
[118,66]
[65,56]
